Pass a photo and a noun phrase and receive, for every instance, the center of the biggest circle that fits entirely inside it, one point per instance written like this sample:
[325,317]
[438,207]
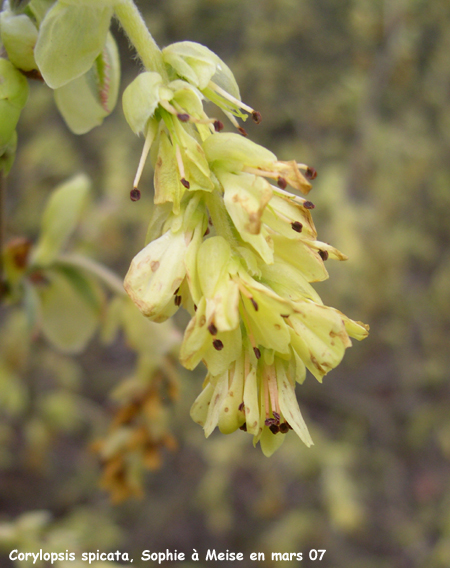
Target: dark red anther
[176,291]
[218,345]
[256,116]
[257,352]
[135,194]
[284,428]
[185,182]
[276,416]
[243,427]
[212,329]
[206,232]
[242,131]
[297,226]
[241,406]
[282,183]
[274,428]
[255,304]
[323,254]
[310,173]
[270,421]
[218,125]
[308,205]
[284,315]
[178,300]
[195,308]
[183,116]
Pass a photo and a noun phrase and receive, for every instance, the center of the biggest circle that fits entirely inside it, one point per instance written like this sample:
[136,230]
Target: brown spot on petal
[202,321]
[277,326]
[212,329]
[226,409]
[297,226]
[185,183]
[135,194]
[218,345]
[284,315]
[154,265]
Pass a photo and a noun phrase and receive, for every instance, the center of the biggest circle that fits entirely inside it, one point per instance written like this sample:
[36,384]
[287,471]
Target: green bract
[60,218]
[87,100]
[13,96]
[199,65]
[141,98]
[70,38]
[19,36]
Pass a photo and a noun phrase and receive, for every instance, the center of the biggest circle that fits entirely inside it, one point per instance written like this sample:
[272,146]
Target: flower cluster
[234,248]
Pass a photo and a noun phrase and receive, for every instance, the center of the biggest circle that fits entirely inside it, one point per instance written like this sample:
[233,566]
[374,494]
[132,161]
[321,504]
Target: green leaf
[70,39]
[13,96]
[60,218]
[68,320]
[87,100]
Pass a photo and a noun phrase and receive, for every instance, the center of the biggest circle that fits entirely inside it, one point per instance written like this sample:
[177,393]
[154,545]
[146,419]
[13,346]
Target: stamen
[212,329]
[145,150]
[274,428]
[231,118]
[323,254]
[241,407]
[180,163]
[135,194]
[257,352]
[310,173]
[242,131]
[218,125]
[254,303]
[184,117]
[256,116]
[218,345]
[297,226]
[169,108]
[281,182]
[308,205]
[243,427]
[185,183]
[284,428]
[178,300]
[229,97]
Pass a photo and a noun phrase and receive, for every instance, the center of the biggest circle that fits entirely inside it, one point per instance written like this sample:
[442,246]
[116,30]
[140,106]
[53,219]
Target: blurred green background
[359,89]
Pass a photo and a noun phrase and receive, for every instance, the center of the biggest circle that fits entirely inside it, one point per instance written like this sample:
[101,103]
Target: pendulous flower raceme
[232,246]
[227,240]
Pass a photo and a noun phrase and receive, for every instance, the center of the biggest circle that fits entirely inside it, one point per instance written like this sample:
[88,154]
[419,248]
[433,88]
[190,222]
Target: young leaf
[60,218]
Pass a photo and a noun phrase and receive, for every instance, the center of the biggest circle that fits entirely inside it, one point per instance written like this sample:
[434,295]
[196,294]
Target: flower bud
[19,36]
